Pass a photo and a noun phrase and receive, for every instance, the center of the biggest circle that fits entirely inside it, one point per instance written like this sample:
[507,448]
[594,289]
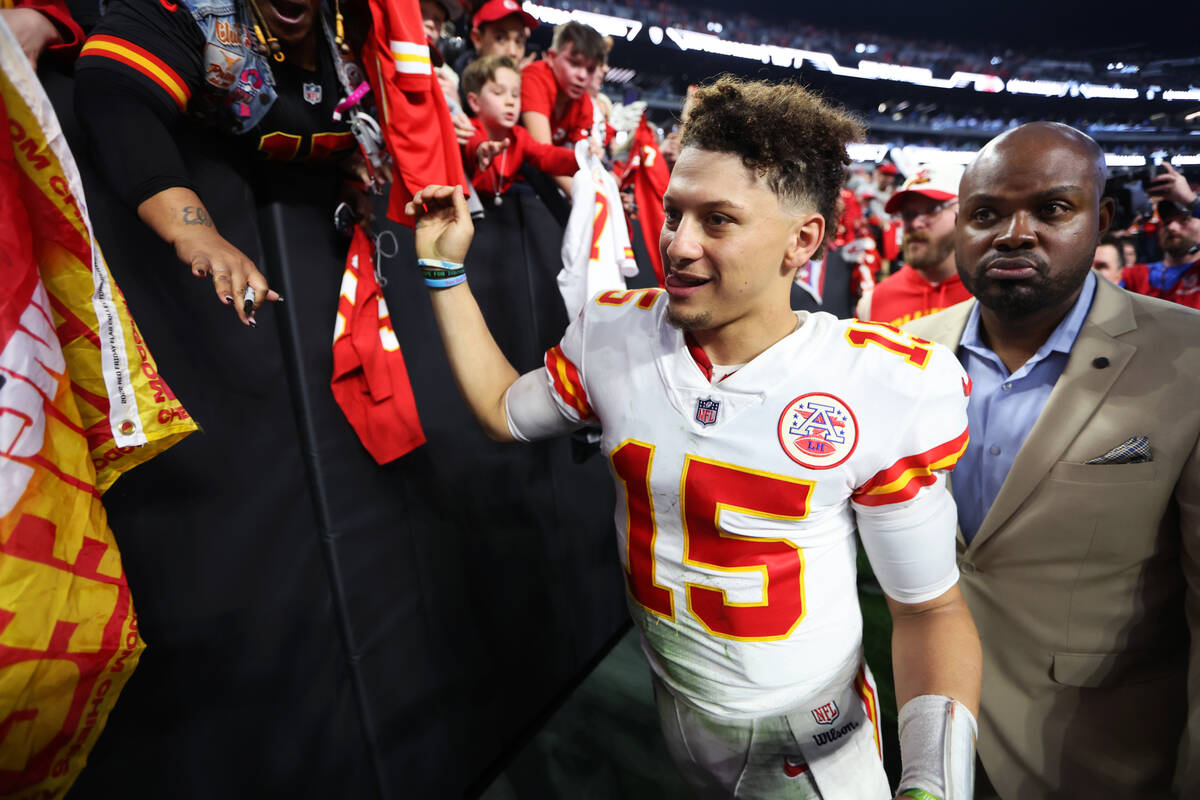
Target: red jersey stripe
[141,60]
[904,479]
[870,700]
[567,382]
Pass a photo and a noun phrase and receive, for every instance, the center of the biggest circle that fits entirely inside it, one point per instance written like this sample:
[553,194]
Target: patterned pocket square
[1134,451]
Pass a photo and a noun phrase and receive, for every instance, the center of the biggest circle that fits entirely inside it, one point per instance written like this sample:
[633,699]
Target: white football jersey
[736,494]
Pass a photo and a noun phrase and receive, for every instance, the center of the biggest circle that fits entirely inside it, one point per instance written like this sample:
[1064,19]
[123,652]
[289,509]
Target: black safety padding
[317,625]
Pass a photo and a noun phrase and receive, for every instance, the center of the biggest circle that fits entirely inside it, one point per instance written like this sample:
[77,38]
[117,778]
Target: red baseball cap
[939,184]
[494,10]
[887,169]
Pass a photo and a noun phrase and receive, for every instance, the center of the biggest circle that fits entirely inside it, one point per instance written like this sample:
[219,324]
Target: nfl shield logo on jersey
[826,714]
[818,430]
[706,410]
[312,93]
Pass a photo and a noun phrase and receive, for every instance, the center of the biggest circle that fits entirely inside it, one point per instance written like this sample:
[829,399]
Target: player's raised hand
[444,229]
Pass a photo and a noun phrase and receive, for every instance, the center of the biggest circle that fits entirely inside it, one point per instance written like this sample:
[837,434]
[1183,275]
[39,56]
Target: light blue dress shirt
[1003,407]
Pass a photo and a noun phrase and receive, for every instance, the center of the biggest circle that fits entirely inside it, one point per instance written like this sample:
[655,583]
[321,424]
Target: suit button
[967,567]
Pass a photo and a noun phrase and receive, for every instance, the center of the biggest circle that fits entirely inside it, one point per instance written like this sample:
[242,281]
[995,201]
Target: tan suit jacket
[1084,580]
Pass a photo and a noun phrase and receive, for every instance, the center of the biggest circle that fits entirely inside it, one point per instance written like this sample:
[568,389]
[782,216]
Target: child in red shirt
[555,104]
[495,154]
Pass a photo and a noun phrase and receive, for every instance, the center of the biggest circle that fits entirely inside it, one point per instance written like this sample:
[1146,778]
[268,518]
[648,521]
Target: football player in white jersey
[748,442]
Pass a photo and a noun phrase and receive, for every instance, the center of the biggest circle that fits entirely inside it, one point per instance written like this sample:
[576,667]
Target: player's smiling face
[730,247]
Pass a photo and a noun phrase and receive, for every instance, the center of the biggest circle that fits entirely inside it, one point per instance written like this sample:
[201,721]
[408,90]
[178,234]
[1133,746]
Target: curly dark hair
[782,131]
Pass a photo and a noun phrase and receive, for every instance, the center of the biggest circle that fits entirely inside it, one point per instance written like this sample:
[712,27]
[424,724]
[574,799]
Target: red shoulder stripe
[566,381]
[904,479]
[141,60]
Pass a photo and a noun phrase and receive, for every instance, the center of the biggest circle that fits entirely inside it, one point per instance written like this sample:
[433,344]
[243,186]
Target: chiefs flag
[413,112]
[649,175]
[80,402]
[370,380]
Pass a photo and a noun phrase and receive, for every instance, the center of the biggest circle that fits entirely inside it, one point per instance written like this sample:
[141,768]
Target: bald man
[1079,494]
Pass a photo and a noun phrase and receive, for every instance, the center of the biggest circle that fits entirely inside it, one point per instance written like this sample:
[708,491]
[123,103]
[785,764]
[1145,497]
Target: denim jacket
[239,88]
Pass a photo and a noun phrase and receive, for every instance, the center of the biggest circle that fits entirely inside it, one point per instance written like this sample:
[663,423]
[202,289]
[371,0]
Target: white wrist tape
[937,747]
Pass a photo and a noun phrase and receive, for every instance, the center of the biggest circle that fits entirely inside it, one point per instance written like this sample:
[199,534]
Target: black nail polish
[1100,362]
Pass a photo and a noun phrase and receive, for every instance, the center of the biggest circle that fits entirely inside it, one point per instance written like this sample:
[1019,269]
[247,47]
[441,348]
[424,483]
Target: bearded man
[928,281]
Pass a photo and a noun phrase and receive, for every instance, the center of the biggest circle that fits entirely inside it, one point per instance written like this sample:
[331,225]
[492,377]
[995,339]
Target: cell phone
[1156,168]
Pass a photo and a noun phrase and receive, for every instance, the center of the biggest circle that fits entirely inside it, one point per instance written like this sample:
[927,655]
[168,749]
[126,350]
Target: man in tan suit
[1079,496]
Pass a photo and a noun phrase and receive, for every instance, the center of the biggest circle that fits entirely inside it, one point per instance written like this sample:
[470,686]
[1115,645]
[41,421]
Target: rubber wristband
[919,794]
[445,283]
[438,274]
[437,263]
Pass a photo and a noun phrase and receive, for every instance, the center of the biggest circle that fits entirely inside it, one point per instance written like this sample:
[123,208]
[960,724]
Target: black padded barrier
[319,626]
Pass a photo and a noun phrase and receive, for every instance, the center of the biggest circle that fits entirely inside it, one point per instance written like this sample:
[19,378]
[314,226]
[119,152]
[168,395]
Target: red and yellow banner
[81,401]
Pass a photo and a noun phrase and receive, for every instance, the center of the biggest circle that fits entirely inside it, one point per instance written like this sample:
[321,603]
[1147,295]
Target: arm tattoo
[196,215]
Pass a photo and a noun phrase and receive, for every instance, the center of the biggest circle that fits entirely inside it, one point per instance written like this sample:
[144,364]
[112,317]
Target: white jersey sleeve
[906,516]
[553,400]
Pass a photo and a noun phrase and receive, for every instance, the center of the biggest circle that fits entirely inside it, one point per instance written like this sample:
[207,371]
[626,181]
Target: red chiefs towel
[649,175]
[412,111]
[370,380]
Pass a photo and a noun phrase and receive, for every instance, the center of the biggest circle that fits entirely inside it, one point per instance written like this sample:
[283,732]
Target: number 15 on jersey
[707,490]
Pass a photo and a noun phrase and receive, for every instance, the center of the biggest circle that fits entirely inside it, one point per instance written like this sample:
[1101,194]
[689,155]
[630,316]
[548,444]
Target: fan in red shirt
[1177,277]
[928,281]
[500,146]
[555,106]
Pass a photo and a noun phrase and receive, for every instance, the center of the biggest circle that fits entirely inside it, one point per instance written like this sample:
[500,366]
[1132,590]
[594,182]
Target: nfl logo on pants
[826,714]
[706,410]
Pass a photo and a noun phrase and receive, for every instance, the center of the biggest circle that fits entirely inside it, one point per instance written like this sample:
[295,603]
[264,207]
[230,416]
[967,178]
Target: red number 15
[708,489]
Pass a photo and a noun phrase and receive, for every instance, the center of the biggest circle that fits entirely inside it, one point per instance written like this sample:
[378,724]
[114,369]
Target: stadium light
[1043,88]
[1186,160]
[795,58]
[1120,160]
[627,29]
[1090,90]
[861,151]
[932,155]
[1179,94]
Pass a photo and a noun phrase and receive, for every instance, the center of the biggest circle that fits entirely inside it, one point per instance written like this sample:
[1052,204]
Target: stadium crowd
[188,113]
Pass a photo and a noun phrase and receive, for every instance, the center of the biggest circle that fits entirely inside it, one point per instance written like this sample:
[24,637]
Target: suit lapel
[1073,401]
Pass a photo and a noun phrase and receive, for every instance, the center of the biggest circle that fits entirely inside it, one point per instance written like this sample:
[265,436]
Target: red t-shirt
[539,91]
[1185,290]
[907,295]
[522,149]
